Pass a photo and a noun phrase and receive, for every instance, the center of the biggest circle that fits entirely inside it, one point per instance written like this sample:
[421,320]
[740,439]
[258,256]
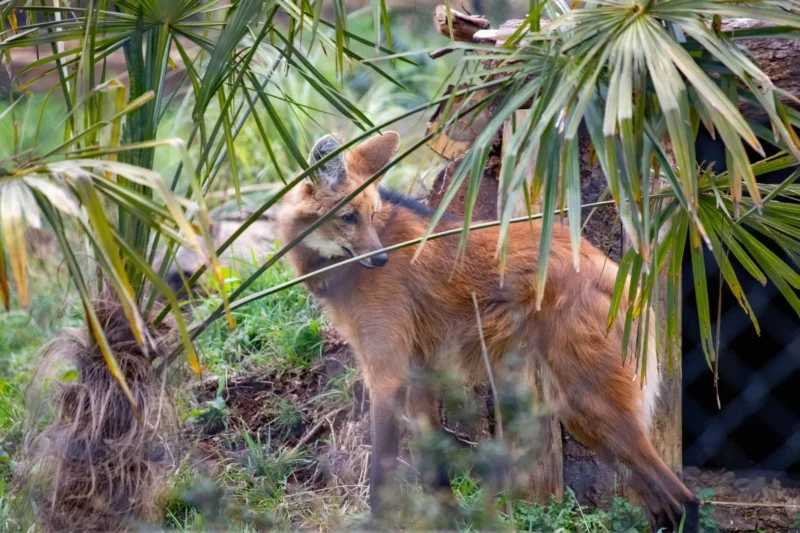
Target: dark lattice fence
[757,425]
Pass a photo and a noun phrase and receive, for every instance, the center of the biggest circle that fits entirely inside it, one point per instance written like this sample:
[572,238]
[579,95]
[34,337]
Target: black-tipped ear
[334,171]
[373,154]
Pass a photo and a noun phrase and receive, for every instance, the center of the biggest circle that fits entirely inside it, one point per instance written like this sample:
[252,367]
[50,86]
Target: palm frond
[642,76]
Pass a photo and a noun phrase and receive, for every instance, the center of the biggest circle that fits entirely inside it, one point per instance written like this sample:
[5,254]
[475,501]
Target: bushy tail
[651,387]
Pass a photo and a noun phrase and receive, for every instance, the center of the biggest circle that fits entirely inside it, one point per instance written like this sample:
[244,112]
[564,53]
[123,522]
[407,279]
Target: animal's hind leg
[609,423]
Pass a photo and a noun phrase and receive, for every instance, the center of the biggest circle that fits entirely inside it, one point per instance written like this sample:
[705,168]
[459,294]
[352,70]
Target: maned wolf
[401,315]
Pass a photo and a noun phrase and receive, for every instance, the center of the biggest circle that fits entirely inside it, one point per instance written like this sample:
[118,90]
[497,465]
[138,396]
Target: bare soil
[749,502]
[253,401]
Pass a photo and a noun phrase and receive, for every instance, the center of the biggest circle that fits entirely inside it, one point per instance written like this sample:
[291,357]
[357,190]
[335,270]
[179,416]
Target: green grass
[279,332]
[22,333]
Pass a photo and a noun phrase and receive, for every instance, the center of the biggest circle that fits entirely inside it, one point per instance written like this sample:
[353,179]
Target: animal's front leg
[384,356]
[383,418]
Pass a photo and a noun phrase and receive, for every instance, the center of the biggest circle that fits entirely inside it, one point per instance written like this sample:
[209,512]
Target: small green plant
[340,388]
[565,516]
[196,501]
[271,469]
[624,516]
[289,417]
[707,509]
[558,516]
[213,416]
[8,522]
[468,492]
[179,513]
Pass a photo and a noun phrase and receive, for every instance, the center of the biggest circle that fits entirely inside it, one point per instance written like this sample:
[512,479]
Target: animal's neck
[324,284]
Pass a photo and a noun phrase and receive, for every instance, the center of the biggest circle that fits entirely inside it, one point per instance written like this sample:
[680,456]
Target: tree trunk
[776,57]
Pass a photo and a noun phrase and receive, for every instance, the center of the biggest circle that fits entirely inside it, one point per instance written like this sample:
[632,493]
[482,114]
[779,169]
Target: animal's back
[427,301]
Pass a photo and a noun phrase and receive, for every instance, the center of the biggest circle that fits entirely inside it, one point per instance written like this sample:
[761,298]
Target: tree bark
[463,26]
[546,475]
[776,57]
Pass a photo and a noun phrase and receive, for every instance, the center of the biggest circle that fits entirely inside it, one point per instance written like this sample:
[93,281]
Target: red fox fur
[400,314]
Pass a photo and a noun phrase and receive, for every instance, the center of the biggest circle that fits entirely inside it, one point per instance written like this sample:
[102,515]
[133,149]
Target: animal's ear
[373,154]
[334,171]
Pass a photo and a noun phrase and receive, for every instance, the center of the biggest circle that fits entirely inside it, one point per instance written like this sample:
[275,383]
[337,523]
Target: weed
[707,509]
[195,501]
[179,513]
[8,520]
[563,516]
[272,470]
[468,493]
[558,516]
[213,416]
[289,417]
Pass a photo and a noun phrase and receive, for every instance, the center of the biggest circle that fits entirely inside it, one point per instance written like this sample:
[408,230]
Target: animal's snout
[379,260]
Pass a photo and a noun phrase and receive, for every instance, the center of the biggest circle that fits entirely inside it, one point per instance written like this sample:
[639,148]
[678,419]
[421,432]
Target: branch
[464,26]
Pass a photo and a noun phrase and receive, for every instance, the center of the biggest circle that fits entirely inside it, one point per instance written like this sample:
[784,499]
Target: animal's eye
[349,218]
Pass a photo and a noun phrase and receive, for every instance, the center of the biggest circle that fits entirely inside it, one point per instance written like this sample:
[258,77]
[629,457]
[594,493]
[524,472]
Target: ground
[338,441]
[276,436]
[752,502]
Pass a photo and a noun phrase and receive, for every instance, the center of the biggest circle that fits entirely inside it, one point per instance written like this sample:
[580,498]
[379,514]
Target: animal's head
[351,231]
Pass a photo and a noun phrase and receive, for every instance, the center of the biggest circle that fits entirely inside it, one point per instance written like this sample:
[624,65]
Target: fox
[402,313]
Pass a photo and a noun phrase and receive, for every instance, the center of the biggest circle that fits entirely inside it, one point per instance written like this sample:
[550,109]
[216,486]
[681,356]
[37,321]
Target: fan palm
[100,178]
[642,75]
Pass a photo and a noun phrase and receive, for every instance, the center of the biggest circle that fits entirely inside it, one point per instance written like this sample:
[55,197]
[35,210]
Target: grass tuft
[281,332]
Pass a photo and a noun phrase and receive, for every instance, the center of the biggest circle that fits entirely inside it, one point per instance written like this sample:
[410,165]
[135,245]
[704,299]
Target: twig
[497,414]
[205,383]
[436,54]
[313,431]
[462,26]
[756,504]
[461,440]
[485,354]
